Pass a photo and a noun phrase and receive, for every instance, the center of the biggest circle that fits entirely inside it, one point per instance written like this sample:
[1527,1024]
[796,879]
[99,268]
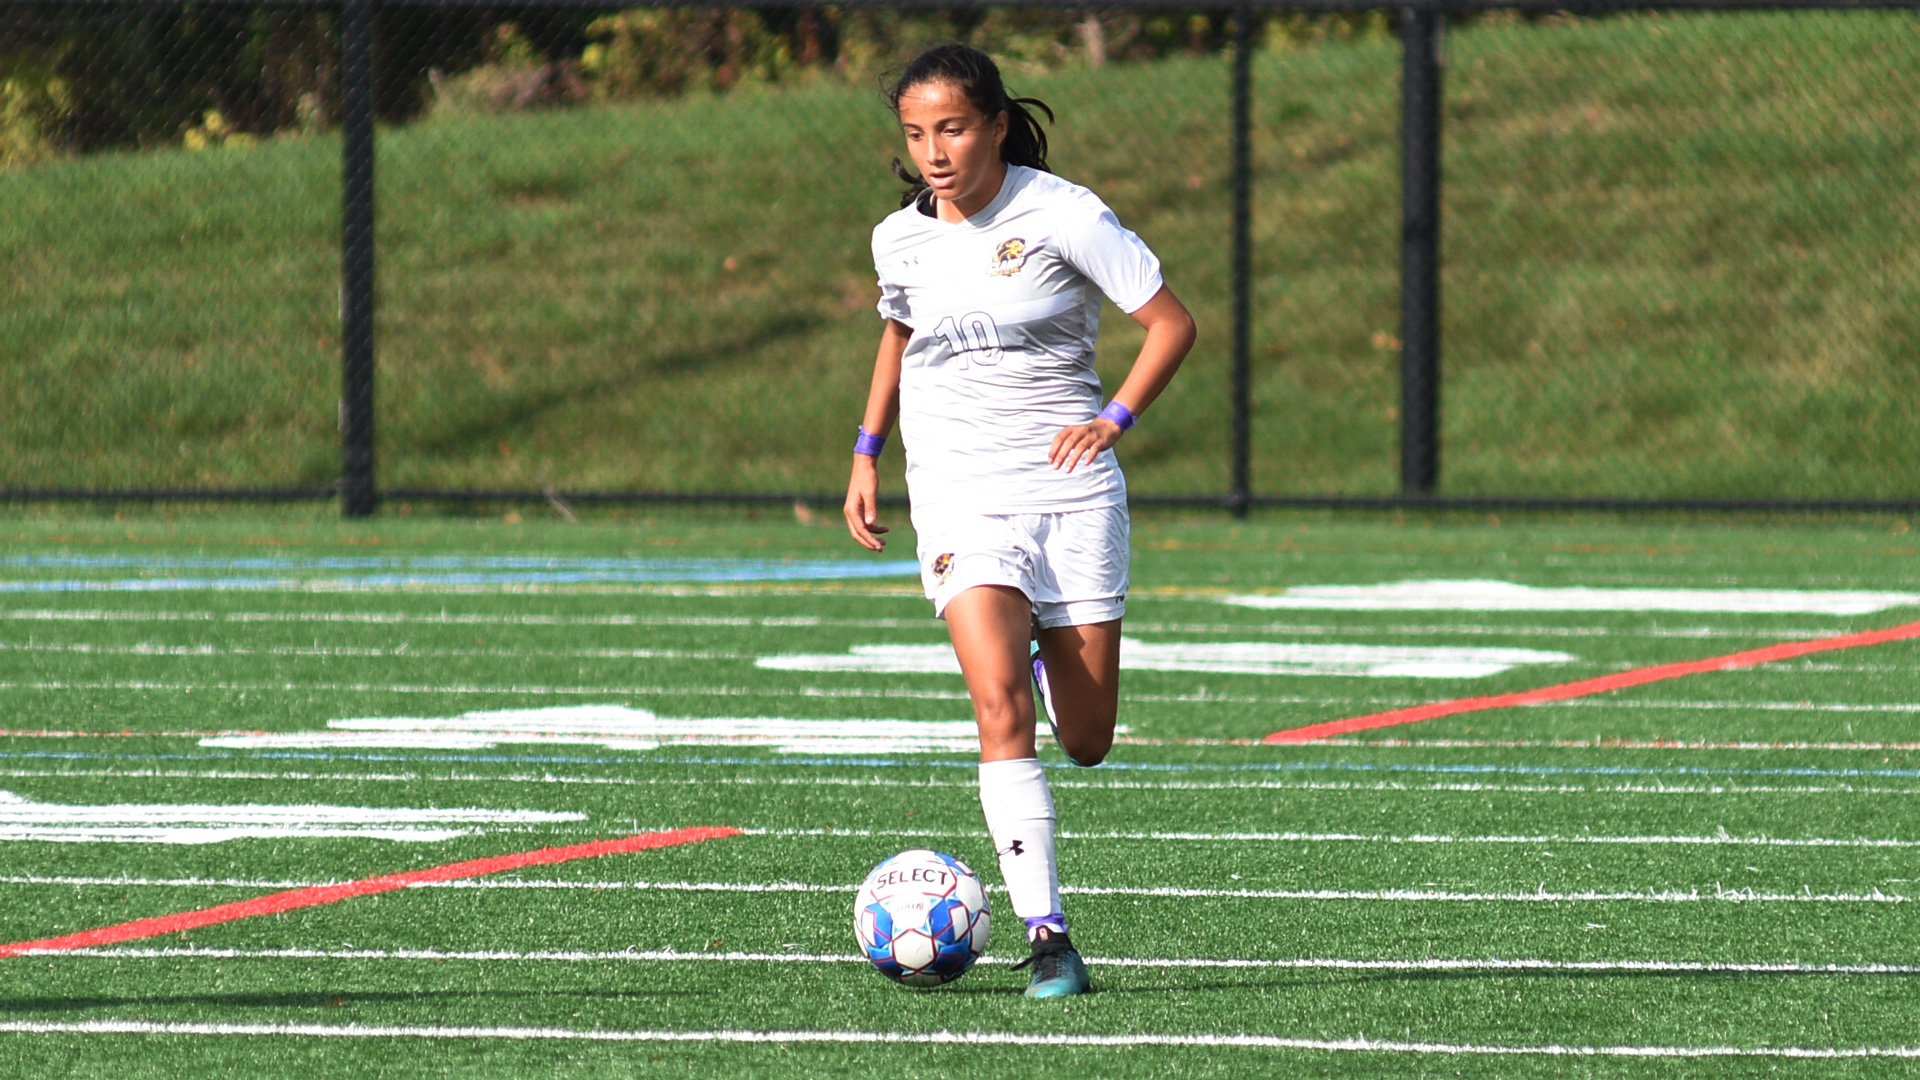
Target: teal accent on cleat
[1058,970]
[1043,695]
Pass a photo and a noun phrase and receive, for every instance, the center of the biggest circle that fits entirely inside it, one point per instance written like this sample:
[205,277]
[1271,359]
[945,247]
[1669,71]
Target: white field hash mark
[1219,658]
[1540,896]
[617,727]
[566,956]
[187,823]
[947,1038]
[1485,595]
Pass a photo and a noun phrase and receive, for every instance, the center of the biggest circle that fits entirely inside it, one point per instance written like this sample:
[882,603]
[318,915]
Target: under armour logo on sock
[1015,848]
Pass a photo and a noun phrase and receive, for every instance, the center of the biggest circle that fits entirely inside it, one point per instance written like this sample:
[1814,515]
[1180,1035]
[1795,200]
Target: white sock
[1019,809]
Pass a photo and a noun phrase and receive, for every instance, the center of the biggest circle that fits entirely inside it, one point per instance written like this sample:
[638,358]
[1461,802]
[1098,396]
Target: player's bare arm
[1170,336]
[883,408]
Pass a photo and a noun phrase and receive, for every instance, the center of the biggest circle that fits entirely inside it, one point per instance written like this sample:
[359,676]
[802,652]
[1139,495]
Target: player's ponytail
[978,77]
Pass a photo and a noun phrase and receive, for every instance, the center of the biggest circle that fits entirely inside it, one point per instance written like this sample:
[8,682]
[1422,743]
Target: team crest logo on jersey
[942,566]
[1010,257]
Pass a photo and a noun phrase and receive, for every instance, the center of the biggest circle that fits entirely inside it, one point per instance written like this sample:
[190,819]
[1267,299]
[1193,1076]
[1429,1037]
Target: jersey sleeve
[893,303]
[893,298]
[1111,255]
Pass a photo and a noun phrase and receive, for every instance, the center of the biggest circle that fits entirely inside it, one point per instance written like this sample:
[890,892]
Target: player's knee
[1087,739]
[1001,712]
[1088,750]
[1086,728]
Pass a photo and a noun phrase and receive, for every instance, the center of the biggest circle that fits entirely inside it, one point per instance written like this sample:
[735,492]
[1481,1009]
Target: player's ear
[1000,129]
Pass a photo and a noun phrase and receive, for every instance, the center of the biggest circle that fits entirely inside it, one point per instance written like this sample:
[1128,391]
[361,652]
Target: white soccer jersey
[1005,310]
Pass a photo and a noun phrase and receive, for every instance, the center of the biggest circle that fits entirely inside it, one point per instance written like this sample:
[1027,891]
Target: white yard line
[1538,896]
[401,652]
[160,883]
[1201,697]
[1734,706]
[1783,633]
[927,623]
[428,586]
[563,956]
[443,618]
[1719,840]
[1359,1044]
[23,819]
[218,774]
[968,785]
[1129,740]
[1614,744]
[472,688]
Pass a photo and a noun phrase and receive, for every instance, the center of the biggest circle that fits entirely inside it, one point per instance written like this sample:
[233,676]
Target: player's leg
[990,627]
[1083,687]
[1080,598]
[1081,703]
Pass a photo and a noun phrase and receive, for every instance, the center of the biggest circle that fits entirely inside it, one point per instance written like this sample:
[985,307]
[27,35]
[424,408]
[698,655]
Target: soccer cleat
[1043,694]
[1058,970]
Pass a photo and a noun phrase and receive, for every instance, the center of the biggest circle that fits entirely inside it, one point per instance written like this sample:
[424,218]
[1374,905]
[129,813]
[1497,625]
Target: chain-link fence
[170,247]
[1683,257]
[622,253]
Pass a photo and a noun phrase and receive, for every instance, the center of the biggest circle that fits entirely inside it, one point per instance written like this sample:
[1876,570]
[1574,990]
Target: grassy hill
[1683,256]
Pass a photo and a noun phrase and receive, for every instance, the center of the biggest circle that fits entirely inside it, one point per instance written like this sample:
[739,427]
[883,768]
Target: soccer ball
[922,918]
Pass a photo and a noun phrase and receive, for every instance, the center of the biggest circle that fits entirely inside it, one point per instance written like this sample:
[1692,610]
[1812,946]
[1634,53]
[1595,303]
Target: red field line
[274,903]
[1786,650]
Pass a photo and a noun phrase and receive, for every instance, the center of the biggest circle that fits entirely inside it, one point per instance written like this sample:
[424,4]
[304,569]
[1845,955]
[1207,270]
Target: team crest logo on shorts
[942,566]
[1010,257]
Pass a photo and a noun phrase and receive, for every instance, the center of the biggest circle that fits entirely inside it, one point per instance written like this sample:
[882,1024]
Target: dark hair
[978,77]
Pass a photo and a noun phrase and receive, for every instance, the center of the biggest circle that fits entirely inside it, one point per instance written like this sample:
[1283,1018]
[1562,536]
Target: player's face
[954,147]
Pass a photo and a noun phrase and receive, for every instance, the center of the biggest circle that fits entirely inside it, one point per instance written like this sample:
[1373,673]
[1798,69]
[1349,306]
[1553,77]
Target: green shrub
[33,102]
[664,51]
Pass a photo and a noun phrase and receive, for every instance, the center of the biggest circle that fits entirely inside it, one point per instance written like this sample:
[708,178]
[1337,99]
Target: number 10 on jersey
[972,338]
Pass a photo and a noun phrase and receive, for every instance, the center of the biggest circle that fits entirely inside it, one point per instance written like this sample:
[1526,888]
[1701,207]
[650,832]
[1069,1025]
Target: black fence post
[1420,251]
[358,498]
[1240,497]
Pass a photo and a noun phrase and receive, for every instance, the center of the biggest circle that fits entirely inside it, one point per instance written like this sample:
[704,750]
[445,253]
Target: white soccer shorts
[1071,565]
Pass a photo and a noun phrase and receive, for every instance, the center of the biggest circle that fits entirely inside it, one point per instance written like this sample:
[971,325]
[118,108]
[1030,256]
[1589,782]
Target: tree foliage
[79,77]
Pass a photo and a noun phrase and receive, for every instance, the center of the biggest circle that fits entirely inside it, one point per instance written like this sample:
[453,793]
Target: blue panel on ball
[940,919]
[953,958]
[882,923]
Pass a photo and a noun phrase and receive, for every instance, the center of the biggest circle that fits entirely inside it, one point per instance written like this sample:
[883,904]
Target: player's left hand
[1081,443]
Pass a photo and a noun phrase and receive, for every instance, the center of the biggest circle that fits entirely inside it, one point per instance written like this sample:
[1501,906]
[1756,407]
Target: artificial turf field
[1703,876]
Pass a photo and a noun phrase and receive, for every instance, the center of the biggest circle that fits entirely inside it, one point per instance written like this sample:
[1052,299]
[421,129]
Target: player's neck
[956,210]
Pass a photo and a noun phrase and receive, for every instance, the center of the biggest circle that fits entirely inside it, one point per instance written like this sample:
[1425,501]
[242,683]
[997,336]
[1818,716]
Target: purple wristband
[870,445]
[1119,414]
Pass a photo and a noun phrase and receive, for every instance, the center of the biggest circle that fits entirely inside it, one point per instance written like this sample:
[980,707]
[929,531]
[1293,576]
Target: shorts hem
[945,594]
[1052,615]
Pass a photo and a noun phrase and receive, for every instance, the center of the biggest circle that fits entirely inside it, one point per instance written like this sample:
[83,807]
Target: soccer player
[991,275]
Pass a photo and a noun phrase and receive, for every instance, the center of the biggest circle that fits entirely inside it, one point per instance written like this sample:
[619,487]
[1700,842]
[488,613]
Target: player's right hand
[863,504]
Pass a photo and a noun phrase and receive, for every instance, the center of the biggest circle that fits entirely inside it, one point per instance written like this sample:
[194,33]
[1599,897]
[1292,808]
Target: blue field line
[910,762]
[369,562]
[172,562]
[452,572]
